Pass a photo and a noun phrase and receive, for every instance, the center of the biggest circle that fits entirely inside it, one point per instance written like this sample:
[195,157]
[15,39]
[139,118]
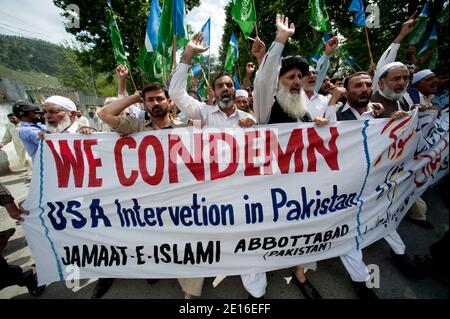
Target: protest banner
[215,202]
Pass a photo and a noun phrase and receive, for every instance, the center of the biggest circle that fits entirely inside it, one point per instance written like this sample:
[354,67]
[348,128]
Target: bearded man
[279,96]
[394,94]
[60,113]
[224,113]
[392,85]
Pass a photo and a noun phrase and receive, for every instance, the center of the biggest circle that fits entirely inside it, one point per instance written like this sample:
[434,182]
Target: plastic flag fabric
[418,33]
[357,6]
[244,14]
[319,19]
[232,54]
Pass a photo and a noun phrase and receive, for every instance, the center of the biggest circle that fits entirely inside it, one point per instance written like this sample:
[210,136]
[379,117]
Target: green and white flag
[430,45]
[320,21]
[232,54]
[433,61]
[172,26]
[418,33]
[244,13]
[150,61]
[151,64]
[431,42]
[165,36]
[116,39]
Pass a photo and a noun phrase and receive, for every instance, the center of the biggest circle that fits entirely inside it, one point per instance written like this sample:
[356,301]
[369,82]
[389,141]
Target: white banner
[201,203]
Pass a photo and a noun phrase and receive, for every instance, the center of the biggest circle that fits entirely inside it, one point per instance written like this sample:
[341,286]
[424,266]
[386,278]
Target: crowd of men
[284,90]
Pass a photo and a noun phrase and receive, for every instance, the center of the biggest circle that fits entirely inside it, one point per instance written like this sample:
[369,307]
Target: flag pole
[174,53]
[164,68]
[209,66]
[256,29]
[368,45]
[256,26]
[204,76]
[236,69]
[132,79]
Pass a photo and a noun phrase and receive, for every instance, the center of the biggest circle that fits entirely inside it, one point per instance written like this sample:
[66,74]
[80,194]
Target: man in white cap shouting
[60,113]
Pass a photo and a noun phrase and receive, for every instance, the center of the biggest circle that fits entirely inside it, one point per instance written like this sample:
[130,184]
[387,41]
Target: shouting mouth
[226,97]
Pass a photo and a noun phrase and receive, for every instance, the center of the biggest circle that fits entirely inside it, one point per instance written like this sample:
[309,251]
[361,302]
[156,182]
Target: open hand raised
[284,30]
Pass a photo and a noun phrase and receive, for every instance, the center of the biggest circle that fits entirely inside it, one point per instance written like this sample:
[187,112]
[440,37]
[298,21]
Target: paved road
[330,278]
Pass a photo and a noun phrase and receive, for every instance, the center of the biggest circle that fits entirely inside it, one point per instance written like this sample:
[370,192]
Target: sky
[41,19]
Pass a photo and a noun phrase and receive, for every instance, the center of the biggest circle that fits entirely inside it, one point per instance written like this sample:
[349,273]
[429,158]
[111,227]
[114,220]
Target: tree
[392,15]
[71,74]
[94,32]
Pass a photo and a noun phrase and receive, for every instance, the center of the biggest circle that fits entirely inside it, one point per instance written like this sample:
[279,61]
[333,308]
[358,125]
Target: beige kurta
[12,135]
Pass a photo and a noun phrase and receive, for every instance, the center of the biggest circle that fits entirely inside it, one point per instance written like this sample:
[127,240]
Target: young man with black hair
[31,119]
[157,105]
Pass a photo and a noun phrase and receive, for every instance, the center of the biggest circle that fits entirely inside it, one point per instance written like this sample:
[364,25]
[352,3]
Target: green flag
[151,64]
[418,33]
[202,90]
[430,45]
[171,25]
[320,20]
[165,36]
[232,54]
[244,14]
[149,60]
[346,57]
[116,39]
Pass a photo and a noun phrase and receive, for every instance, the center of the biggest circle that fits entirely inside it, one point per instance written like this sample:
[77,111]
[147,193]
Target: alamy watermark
[374,279]
[73,277]
[373,20]
[73,17]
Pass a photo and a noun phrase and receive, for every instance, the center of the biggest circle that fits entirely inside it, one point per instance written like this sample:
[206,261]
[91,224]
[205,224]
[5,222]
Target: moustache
[156,107]
[225,95]
[363,96]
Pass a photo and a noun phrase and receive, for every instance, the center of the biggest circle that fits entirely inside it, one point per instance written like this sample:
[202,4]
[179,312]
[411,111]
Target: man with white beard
[279,96]
[392,85]
[60,113]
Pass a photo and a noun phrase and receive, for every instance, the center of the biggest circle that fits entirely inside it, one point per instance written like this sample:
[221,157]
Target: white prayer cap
[420,75]
[62,102]
[392,65]
[243,93]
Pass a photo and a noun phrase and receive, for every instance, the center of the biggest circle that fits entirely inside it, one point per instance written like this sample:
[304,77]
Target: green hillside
[28,55]
[39,63]
[31,78]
